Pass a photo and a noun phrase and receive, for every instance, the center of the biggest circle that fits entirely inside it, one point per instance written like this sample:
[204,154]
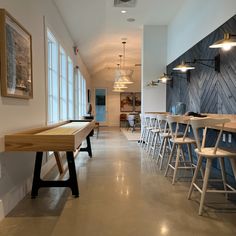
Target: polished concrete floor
[122,193]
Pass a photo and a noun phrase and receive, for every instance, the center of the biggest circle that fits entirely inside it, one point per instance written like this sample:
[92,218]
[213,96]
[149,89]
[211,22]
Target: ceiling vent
[125,3]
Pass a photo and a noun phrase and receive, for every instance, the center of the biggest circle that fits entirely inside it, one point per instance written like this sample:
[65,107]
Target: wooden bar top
[229,127]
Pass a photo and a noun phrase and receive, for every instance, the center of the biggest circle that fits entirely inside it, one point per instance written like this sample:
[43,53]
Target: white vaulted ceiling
[97,28]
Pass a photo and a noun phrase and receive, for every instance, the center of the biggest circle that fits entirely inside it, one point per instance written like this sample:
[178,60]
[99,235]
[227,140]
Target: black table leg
[37,171]
[73,184]
[39,183]
[88,148]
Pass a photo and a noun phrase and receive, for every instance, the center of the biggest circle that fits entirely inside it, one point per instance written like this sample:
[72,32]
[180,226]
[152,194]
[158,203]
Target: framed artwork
[130,102]
[126,102]
[16,58]
[137,102]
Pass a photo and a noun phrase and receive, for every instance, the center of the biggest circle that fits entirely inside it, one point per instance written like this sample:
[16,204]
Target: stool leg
[160,150]
[169,159]
[233,164]
[149,141]
[199,163]
[153,147]
[205,183]
[224,178]
[163,154]
[190,156]
[176,163]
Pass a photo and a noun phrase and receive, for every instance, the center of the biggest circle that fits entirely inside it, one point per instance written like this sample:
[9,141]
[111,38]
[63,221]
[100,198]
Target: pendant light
[226,43]
[119,90]
[124,75]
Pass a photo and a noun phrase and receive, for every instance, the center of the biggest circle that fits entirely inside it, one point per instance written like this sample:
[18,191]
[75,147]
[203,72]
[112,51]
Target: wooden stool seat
[183,141]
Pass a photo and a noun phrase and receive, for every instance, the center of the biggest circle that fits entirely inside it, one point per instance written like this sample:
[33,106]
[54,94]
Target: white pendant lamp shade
[119,85]
[118,90]
[123,75]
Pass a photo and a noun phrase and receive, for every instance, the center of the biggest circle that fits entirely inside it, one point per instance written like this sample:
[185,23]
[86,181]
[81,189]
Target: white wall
[104,79]
[154,53]
[195,21]
[17,114]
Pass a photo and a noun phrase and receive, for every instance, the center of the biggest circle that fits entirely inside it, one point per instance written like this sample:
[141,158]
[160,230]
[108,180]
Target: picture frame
[126,102]
[15,58]
[137,102]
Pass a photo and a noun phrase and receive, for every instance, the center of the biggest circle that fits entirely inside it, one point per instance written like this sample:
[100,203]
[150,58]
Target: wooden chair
[123,119]
[97,125]
[178,142]
[210,153]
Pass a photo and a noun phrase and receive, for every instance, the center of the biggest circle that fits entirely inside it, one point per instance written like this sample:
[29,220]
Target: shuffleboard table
[66,136]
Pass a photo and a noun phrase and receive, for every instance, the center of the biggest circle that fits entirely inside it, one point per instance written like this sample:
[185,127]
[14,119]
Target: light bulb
[226,47]
[164,80]
[183,69]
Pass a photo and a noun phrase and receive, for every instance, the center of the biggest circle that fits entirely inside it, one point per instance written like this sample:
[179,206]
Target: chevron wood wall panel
[208,91]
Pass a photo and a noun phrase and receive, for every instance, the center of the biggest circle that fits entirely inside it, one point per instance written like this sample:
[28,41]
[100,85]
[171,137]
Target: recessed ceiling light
[123,11]
[130,19]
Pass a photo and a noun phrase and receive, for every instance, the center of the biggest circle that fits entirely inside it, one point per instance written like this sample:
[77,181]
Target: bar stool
[150,125]
[145,119]
[152,129]
[210,153]
[155,138]
[178,142]
[164,136]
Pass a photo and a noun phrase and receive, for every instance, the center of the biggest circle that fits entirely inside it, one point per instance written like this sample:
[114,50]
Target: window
[80,95]
[66,97]
[70,89]
[53,85]
[63,84]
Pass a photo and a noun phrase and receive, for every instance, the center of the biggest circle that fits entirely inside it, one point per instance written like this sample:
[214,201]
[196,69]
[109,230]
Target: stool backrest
[162,123]
[206,123]
[151,118]
[176,120]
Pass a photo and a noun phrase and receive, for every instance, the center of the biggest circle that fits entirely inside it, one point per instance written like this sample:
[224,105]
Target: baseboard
[13,197]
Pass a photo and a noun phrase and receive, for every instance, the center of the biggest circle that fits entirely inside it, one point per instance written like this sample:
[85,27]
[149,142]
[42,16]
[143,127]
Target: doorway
[101,105]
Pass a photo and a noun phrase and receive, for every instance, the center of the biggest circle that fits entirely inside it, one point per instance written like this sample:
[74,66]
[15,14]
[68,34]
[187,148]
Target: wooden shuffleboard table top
[66,136]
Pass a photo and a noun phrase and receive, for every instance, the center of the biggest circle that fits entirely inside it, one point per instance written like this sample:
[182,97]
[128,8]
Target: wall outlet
[230,138]
[189,129]
[224,138]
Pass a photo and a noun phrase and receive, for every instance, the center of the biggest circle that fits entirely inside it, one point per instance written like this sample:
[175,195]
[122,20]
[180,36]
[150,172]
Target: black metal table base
[71,182]
[88,148]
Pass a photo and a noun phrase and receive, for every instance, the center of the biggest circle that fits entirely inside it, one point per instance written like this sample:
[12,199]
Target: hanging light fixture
[184,67]
[164,78]
[123,75]
[119,90]
[226,43]
[119,85]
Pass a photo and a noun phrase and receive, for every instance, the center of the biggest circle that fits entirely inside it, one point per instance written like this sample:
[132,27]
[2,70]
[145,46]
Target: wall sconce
[226,43]
[187,66]
[164,78]
[184,67]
